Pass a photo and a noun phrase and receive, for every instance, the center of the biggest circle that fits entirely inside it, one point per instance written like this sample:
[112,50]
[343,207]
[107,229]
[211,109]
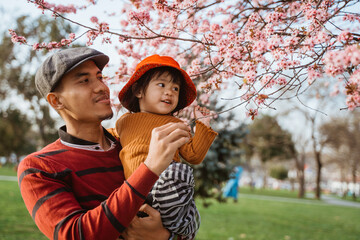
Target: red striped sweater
[73,193]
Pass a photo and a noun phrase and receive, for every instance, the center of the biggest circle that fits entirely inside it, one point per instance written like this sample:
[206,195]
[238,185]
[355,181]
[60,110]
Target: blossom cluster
[54,45]
[37,46]
[101,29]
[337,62]
[261,46]
[17,39]
[59,8]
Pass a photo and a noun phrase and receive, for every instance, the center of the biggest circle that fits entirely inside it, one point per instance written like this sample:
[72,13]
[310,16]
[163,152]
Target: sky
[21,7]
[293,122]
[9,10]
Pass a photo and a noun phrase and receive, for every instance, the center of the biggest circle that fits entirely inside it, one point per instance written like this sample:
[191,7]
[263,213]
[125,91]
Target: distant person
[157,89]
[75,187]
[232,186]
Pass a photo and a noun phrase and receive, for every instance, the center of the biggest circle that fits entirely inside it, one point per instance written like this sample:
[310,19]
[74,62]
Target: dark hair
[132,102]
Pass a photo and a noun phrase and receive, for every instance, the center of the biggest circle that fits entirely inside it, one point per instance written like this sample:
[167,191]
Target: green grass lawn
[7,170]
[269,192]
[15,221]
[249,219]
[270,220]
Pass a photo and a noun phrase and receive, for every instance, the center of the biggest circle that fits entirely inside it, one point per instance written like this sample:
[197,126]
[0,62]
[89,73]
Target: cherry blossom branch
[271,50]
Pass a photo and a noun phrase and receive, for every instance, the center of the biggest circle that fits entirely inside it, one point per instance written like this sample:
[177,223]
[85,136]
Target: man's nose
[100,86]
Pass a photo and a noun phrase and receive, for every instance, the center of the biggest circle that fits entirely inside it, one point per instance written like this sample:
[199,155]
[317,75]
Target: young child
[157,89]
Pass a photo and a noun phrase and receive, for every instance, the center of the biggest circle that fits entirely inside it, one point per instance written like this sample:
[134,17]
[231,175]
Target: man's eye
[161,85]
[85,81]
[176,89]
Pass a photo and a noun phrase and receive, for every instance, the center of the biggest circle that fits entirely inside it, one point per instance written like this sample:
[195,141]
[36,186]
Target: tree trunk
[300,174]
[252,182]
[265,179]
[292,182]
[301,179]
[17,159]
[354,181]
[251,173]
[8,160]
[318,175]
[41,128]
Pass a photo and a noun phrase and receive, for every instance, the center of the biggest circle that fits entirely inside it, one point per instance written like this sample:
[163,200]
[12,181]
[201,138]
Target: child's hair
[143,82]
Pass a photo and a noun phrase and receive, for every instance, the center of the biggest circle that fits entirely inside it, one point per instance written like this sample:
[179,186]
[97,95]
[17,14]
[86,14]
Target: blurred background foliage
[262,145]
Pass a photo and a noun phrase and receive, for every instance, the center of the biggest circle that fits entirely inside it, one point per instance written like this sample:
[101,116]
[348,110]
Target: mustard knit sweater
[134,131]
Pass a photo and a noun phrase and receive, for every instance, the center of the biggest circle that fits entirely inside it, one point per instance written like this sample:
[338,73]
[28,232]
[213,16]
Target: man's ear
[136,92]
[54,100]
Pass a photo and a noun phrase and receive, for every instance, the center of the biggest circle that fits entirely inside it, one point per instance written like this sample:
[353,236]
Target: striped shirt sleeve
[58,214]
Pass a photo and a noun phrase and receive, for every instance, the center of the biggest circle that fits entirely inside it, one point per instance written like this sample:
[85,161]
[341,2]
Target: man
[74,188]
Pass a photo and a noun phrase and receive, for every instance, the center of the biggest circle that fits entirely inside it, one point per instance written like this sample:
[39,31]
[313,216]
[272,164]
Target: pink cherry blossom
[252,113]
[281,81]
[140,17]
[253,44]
[94,19]
[345,36]
[17,39]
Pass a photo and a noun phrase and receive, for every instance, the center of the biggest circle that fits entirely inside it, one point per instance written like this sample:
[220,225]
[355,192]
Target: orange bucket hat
[155,61]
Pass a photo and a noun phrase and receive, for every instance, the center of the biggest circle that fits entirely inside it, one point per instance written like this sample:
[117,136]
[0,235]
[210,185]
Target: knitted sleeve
[195,150]
[119,125]
[49,196]
[114,133]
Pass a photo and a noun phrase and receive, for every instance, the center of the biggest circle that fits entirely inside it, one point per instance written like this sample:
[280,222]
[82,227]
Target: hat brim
[100,60]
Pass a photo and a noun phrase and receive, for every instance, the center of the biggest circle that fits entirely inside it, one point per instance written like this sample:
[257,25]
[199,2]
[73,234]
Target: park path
[8,178]
[335,201]
[325,199]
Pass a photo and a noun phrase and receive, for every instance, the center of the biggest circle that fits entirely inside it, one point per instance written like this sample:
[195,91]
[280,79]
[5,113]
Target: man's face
[84,95]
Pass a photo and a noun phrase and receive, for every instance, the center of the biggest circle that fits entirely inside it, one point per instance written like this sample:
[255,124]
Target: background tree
[317,145]
[223,156]
[342,136]
[15,135]
[269,141]
[315,107]
[280,173]
[17,73]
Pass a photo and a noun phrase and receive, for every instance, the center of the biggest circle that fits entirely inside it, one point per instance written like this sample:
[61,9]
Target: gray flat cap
[54,67]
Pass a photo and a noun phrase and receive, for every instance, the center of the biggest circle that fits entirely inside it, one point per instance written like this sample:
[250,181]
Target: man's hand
[165,140]
[146,228]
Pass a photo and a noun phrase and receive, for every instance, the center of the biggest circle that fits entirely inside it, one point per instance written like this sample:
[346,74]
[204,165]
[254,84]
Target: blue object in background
[231,187]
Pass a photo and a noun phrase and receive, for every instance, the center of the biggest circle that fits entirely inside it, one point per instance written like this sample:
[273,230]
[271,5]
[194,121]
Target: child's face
[161,95]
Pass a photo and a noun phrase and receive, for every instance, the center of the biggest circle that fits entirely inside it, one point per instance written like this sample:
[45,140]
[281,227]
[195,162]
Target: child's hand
[202,114]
